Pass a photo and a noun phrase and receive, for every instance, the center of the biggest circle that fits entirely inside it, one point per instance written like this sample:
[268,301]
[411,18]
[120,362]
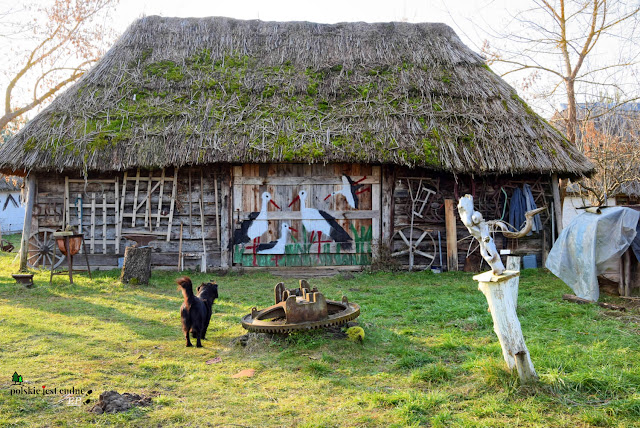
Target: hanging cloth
[531,205]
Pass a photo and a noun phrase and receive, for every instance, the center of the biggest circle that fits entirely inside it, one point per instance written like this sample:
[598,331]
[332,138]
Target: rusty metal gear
[300,309]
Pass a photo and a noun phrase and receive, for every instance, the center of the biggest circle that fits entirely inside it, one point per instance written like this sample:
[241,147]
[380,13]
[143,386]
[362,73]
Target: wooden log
[498,291]
[26,228]
[137,265]
[452,235]
[556,204]
[581,301]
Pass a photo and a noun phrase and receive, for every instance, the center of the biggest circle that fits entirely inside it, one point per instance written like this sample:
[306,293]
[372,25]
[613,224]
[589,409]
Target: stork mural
[318,221]
[344,245]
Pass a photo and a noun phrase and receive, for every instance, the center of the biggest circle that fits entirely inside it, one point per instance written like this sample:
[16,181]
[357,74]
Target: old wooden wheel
[416,243]
[40,253]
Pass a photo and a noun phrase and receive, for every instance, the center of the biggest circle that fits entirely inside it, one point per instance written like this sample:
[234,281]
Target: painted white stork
[277,247]
[257,224]
[321,222]
[349,190]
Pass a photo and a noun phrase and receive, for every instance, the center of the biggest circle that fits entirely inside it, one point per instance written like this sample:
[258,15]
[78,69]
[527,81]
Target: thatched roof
[179,91]
[10,183]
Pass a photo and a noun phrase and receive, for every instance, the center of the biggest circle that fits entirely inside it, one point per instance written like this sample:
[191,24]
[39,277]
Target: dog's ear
[185,281]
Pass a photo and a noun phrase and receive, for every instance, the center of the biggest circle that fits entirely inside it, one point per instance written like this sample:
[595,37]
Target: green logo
[16,378]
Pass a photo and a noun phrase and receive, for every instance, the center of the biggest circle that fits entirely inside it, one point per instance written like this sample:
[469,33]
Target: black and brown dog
[196,310]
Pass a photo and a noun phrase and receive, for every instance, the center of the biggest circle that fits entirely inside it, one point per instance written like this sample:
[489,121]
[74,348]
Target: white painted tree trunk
[499,291]
[513,263]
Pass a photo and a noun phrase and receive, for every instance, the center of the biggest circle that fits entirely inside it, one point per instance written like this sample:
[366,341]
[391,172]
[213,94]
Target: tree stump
[499,291]
[136,268]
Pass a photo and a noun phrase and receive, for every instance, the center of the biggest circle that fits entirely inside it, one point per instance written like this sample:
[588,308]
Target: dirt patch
[112,402]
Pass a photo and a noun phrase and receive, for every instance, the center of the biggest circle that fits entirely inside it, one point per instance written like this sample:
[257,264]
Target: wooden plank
[65,221]
[375,206]
[160,198]
[118,218]
[173,201]
[135,199]
[28,214]
[556,205]
[226,225]
[104,222]
[215,188]
[236,197]
[297,181]
[203,268]
[387,205]
[190,205]
[147,207]
[92,180]
[452,237]
[295,215]
[93,223]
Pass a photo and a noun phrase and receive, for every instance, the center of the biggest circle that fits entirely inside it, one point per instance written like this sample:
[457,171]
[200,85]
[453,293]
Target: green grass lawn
[430,357]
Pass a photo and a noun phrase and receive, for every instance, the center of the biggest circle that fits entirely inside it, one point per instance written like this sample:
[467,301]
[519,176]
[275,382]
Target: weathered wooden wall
[489,199]
[100,201]
[383,213]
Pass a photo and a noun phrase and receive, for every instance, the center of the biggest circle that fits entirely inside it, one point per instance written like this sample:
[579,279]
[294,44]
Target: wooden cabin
[185,123]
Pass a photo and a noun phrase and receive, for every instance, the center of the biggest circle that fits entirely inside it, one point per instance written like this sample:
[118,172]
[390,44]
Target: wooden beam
[296,181]
[26,228]
[226,224]
[452,237]
[174,189]
[375,206]
[93,223]
[295,215]
[387,204]
[557,205]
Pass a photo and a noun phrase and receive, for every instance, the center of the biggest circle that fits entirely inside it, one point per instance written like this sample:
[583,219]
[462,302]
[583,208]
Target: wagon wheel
[419,246]
[40,250]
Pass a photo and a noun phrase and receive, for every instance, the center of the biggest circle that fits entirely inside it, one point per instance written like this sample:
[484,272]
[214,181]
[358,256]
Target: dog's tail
[184,284]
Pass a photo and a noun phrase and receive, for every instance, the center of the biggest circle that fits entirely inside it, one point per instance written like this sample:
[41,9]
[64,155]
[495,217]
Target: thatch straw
[10,183]
[176,91]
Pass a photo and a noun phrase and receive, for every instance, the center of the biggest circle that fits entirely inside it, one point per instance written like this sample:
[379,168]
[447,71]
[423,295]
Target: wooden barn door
[284,182]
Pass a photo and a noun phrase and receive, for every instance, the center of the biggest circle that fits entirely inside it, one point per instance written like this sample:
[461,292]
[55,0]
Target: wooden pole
[556,204]
[180,249]
[190,206]
[26,228]
[215,187]
[498,289]
[203,265]
[452,234]
[225,220]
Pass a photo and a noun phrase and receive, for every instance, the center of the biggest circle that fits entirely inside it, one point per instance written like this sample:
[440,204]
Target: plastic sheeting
[584,247]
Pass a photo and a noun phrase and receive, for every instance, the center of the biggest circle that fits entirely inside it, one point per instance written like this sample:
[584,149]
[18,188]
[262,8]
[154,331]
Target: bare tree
[584,47]
[611,139]
[57,44]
